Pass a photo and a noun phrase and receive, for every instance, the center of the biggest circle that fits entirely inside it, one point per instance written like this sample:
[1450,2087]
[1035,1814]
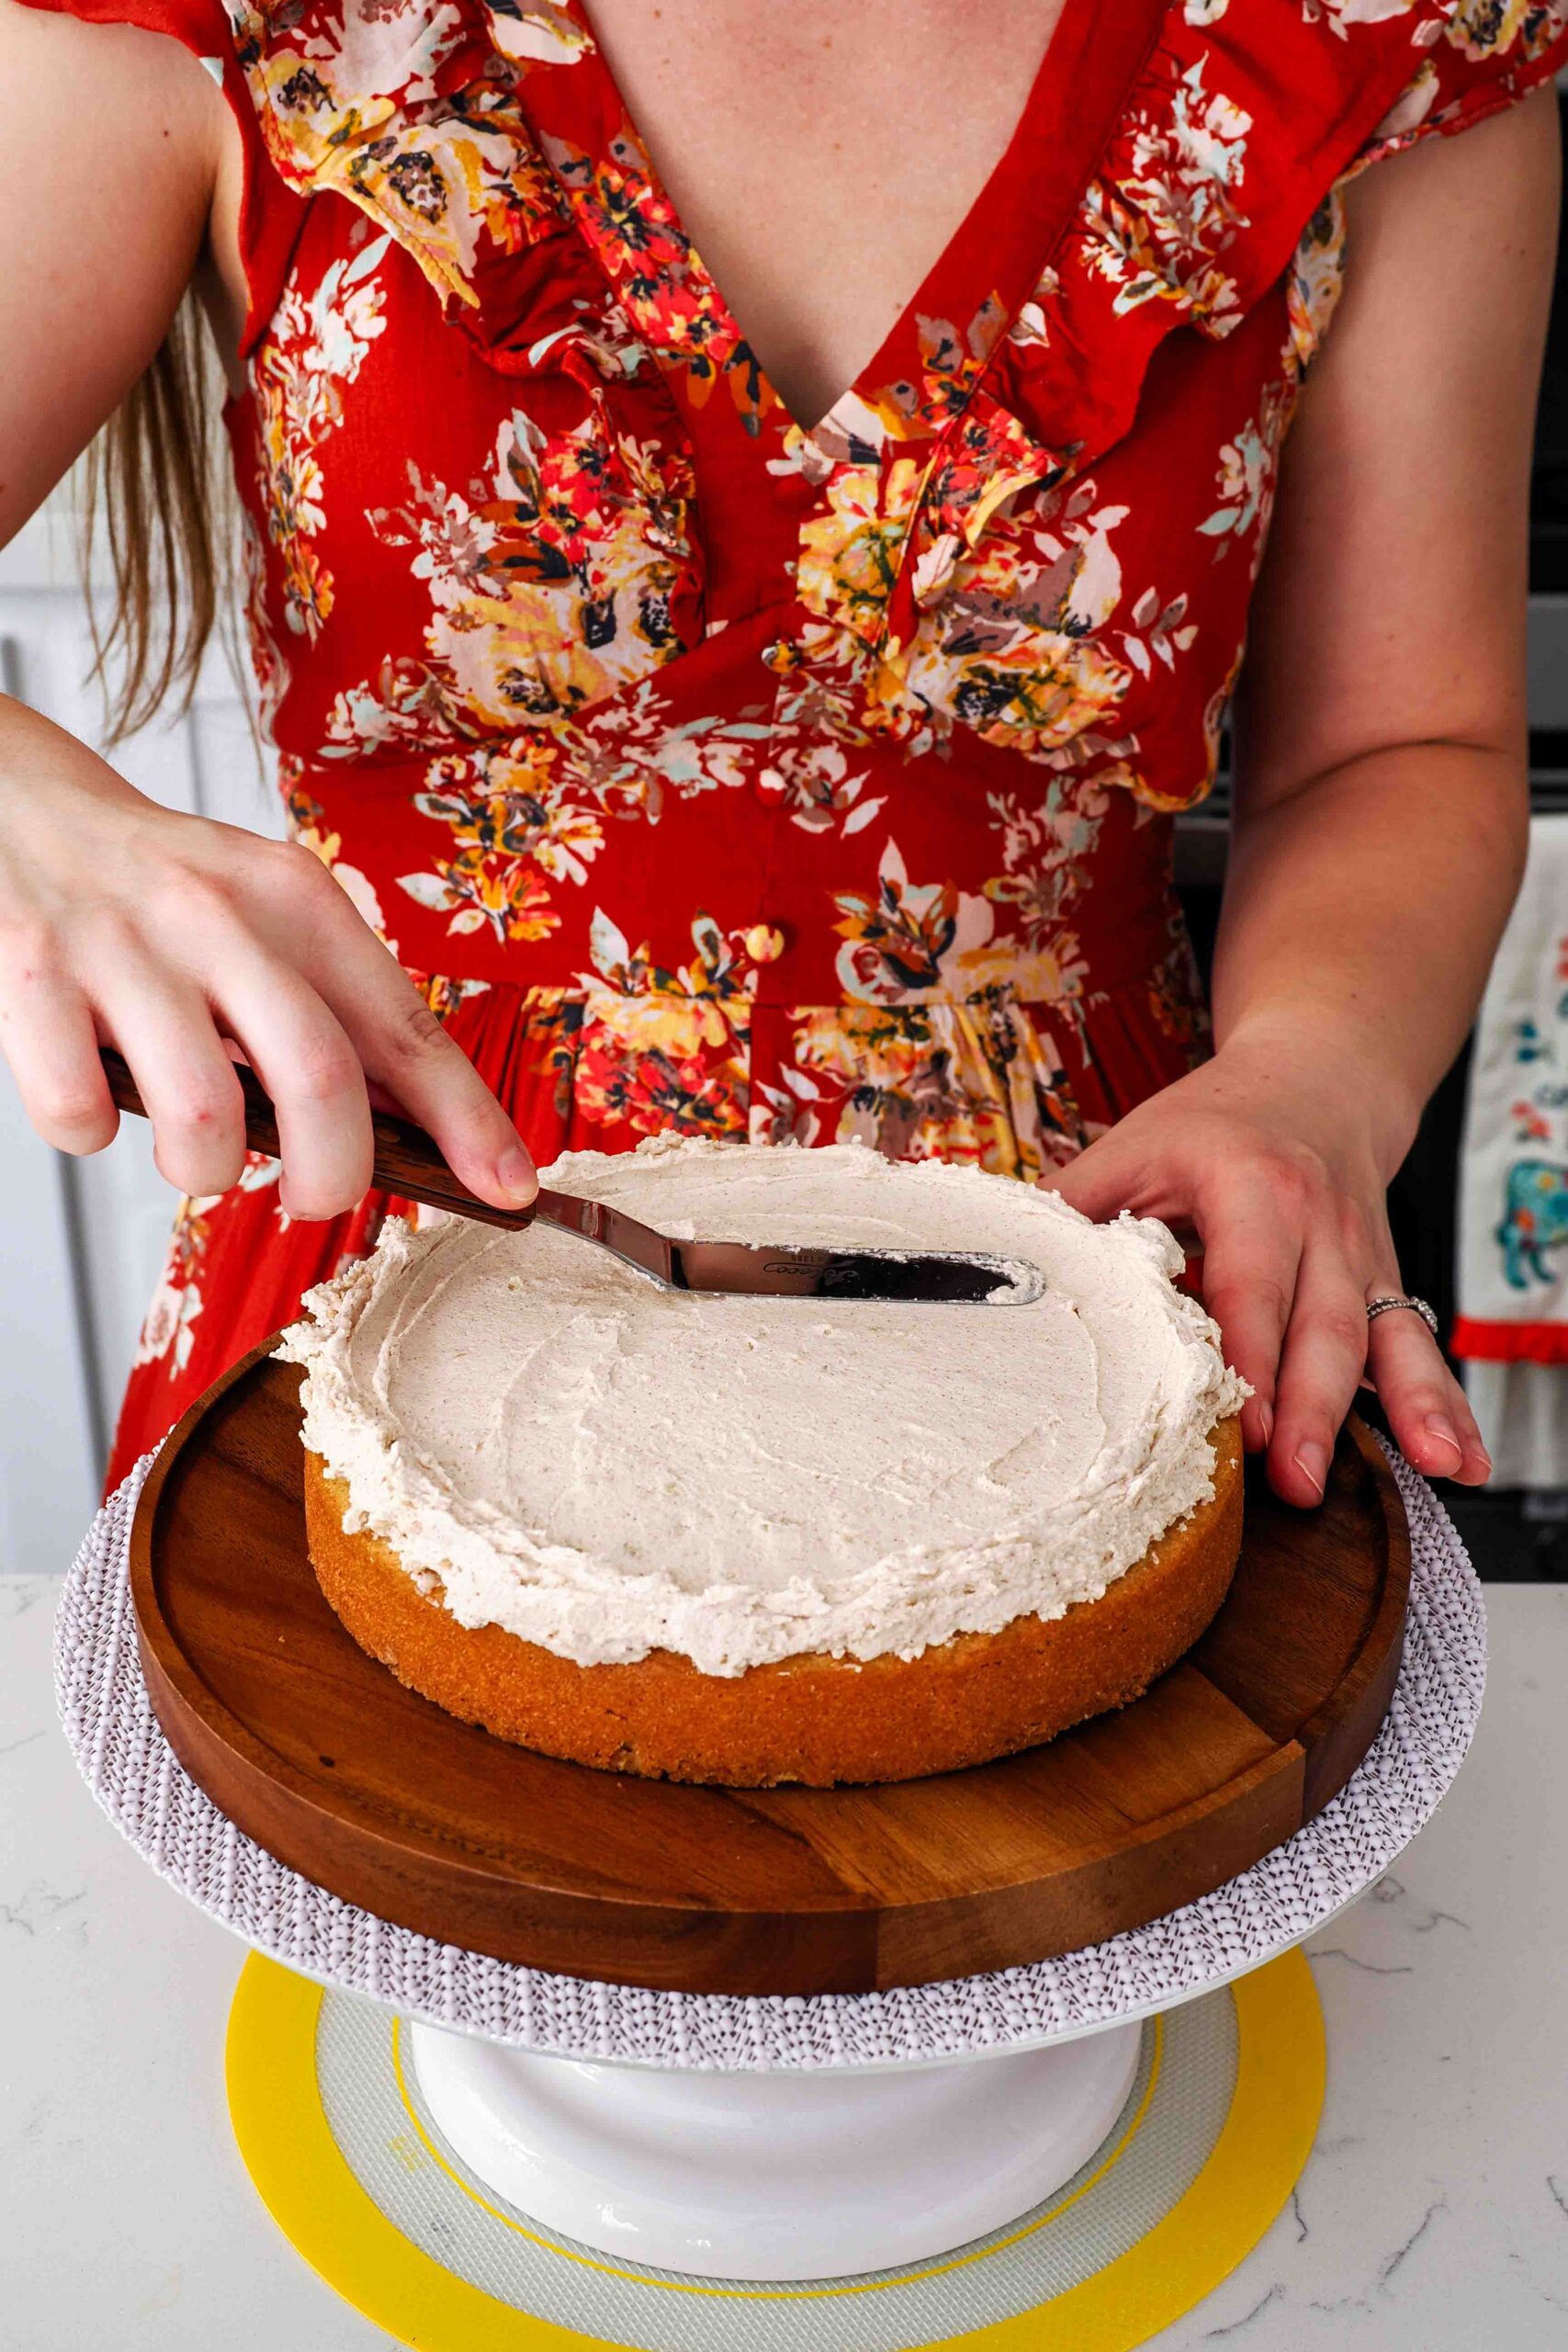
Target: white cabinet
[81,1241]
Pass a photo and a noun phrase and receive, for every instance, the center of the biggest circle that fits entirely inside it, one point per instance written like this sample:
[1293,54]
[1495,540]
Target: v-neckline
[996,250]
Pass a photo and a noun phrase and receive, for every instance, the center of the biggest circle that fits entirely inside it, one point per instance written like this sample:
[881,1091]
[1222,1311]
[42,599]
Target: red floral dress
[709,773]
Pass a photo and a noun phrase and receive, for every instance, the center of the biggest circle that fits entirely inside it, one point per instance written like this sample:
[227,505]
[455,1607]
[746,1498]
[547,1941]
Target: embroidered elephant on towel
[1535,1218]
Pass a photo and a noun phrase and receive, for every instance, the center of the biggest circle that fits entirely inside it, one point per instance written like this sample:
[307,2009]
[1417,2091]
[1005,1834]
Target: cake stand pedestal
[779,2176]
[783,2035]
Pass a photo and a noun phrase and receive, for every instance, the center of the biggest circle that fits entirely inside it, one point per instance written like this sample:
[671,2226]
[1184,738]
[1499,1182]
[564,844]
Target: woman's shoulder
[409,109]
[1463,62]
[1246,115]
[1311,71]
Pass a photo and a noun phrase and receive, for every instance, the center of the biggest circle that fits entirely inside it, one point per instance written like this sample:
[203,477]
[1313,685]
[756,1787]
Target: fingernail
[1266,1422]
[514,1173]
[1312,1461]
[1441,1431]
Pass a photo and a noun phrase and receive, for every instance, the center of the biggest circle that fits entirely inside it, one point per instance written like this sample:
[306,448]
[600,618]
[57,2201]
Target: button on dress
[712,774]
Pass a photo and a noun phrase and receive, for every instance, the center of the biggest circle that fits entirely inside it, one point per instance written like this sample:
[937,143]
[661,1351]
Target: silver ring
[1417,1305]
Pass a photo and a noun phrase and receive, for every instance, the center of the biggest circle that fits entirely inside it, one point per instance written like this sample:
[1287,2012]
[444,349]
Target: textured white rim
[133,1772]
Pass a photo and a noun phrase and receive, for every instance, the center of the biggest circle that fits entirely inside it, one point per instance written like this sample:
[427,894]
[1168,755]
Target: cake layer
[609,1469]
[818,1720]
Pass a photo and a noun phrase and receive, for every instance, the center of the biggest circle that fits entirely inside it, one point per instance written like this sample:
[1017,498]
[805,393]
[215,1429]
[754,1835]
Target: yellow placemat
[1214,2136]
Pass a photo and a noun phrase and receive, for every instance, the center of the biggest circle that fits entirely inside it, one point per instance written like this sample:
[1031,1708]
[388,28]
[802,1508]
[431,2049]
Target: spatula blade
[939,1277]
[770,1270]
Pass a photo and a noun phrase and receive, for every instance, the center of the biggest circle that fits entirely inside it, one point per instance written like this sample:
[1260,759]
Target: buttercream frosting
[554,1444]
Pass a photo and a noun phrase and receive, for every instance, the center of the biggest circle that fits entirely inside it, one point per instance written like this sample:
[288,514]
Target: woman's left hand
[1262,1152]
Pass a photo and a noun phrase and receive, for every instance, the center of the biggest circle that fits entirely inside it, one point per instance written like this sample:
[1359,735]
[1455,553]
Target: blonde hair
[157,493]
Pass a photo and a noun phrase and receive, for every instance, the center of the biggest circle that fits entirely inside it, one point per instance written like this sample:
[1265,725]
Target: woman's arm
[1382,801]
[122,922]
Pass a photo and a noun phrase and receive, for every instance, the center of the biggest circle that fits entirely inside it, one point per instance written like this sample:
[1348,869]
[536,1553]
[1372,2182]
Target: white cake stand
[776,2138]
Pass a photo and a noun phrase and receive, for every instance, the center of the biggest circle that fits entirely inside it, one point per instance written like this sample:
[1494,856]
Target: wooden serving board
[322,1757]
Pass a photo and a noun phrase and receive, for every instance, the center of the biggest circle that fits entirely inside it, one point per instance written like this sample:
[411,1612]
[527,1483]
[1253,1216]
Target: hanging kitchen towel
[1513,1208]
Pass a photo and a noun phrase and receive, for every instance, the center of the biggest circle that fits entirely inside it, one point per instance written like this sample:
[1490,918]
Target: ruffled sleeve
[271,212]
[1477,59]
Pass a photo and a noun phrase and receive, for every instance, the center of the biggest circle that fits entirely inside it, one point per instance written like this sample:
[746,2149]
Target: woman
[703,770]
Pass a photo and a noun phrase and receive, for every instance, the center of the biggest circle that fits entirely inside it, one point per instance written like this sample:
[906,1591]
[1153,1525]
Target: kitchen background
[82,1241]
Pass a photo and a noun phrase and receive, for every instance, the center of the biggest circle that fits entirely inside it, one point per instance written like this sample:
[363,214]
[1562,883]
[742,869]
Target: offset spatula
[408,1161]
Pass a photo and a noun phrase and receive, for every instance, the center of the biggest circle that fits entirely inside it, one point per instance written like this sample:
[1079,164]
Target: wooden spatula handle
[406,1160]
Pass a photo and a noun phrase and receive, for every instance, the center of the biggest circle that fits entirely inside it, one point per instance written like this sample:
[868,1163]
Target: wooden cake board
[319,1755]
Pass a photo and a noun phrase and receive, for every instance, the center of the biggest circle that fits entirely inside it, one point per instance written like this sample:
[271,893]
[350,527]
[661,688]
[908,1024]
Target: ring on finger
[1391,1299]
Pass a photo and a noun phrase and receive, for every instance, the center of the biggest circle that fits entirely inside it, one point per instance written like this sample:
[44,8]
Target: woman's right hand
[170,936]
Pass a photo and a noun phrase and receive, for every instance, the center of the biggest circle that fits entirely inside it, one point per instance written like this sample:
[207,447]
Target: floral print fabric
[715,774]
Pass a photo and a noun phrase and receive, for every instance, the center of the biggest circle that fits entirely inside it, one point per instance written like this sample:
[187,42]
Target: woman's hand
[127,924]
[1265,1156]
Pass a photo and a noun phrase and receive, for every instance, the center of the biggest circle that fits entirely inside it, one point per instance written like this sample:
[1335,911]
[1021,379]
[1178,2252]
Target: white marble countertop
[1433,2216]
